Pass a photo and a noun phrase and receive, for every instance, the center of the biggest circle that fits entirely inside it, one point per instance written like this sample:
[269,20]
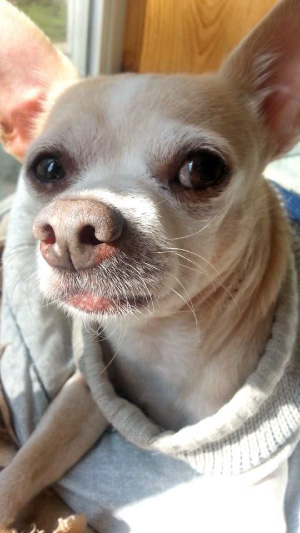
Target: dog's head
[151,185]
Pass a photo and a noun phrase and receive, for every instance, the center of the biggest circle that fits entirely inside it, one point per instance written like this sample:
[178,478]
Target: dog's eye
[49,169]
[202,170]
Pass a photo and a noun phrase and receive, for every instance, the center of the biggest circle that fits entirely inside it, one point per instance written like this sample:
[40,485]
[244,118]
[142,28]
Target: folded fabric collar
[259,425]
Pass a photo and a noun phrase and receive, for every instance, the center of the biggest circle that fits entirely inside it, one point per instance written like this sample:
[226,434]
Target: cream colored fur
[217,265]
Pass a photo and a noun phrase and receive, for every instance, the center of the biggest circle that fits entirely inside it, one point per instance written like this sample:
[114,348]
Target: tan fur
[218,259]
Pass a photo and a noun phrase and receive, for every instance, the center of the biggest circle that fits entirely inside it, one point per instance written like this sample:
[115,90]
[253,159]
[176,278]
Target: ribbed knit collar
[262,420]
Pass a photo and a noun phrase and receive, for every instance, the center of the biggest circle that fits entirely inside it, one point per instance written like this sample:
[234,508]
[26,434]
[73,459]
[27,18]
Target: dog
[154,221]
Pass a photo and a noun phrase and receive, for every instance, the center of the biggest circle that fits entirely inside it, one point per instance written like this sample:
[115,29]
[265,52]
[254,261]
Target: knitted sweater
[258,427]
[122,481]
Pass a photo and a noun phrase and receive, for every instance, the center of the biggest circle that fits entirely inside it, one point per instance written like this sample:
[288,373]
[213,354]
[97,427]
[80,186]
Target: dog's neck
[197,361]
[233,315]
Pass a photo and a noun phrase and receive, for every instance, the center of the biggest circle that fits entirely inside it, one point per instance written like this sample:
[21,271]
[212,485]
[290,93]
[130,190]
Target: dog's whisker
[189,260]
[184,250]
[108,336]
[19,279]
[89,329]
[189,303]
[185,303]
[20,246]
[221,285]
[146,288]
[11,257]
[213,280]
[32,278]
[115,352]
[196,232]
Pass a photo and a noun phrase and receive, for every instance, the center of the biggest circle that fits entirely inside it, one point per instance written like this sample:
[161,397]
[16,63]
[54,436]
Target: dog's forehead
[124,112]
[134,99]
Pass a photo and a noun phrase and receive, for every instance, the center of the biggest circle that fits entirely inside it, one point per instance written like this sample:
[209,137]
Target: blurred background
[51,16]
[109,36]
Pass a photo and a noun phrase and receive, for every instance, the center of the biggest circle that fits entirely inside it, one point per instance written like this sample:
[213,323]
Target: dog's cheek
[46,277]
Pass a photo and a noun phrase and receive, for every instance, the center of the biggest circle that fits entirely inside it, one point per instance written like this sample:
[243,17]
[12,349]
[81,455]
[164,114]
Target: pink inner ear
[30,69]
[282,111]
[19,125]
[282,105]
[266,68]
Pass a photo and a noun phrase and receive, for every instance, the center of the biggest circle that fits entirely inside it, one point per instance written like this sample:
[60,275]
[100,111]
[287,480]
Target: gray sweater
[260,425]
[152,480]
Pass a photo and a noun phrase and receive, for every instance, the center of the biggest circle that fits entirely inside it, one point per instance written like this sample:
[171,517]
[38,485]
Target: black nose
[77,233]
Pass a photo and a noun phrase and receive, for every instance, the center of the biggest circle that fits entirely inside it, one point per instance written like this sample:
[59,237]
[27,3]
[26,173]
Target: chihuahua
[155,224]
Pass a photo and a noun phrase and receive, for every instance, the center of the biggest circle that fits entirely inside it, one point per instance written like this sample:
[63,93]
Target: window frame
[95,35]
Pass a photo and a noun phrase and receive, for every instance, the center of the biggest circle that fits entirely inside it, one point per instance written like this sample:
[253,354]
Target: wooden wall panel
[186,35]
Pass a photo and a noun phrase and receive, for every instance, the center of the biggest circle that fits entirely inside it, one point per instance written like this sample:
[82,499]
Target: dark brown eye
[202,170]
[48,169]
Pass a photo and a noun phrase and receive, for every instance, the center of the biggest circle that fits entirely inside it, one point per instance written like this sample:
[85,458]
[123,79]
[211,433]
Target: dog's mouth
[126,284]
[93,304]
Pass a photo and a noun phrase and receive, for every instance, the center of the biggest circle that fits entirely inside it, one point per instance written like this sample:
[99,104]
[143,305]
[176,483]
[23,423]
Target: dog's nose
[77,233]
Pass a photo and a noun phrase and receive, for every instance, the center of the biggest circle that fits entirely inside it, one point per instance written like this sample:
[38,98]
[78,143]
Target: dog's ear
[32,73]
[266,69]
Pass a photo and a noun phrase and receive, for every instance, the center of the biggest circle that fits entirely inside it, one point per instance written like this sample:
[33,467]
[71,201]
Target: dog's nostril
[49,234]
[87,236]
[44,233]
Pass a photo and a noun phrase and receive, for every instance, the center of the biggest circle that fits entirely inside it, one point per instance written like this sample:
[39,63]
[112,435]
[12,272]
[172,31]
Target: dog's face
[152,186]
[147,181]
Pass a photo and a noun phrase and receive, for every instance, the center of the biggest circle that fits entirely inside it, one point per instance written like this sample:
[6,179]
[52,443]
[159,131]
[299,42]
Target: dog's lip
[91,303]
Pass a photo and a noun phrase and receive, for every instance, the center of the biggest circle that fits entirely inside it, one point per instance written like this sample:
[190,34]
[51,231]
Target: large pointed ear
[32,73]
[266,70]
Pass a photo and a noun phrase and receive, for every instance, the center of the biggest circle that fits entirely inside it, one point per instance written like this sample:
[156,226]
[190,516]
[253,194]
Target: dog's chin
[93,306]
[89,303]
